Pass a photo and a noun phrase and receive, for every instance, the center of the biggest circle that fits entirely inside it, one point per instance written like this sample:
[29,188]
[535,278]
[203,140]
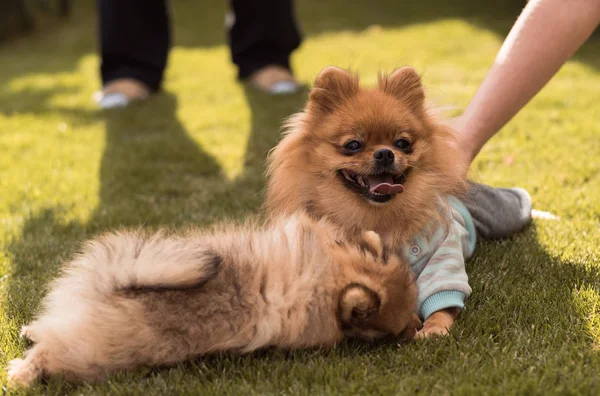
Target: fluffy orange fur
[305,169]
[133,298]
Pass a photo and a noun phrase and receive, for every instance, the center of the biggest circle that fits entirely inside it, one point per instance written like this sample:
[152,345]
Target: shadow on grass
[154,174]
[519,290]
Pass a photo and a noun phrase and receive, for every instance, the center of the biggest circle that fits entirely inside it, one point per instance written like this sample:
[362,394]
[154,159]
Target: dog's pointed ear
[405,85]
[357,302]
[332,86]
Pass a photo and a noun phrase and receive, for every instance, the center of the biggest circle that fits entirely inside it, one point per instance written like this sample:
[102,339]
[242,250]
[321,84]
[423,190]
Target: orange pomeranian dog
[377,159]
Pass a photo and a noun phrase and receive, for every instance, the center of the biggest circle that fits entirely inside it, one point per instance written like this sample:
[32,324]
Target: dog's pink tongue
[384,184]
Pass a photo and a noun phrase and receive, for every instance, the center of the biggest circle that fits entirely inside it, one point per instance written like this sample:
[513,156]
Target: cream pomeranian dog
[134,298]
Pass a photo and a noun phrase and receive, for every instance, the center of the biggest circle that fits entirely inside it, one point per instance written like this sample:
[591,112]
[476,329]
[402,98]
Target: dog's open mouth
[378,188]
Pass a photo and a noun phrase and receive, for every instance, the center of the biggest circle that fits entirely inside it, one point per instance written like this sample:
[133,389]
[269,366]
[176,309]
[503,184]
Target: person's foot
[121,92]
[275,80]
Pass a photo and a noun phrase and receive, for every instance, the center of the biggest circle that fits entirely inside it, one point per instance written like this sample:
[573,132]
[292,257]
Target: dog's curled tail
[138,260]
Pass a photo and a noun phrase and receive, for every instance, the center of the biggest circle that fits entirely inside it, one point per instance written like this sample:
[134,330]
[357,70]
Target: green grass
[194,155]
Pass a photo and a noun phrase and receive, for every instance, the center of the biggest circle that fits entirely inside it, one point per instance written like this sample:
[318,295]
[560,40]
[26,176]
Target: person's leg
[134,43]
[263,36]
[498,212]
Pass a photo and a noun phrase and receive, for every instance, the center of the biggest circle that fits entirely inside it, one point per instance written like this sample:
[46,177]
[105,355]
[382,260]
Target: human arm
[545,36]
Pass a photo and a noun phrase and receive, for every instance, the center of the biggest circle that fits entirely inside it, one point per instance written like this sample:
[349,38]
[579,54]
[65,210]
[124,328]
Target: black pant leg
[264,32]
[134,40]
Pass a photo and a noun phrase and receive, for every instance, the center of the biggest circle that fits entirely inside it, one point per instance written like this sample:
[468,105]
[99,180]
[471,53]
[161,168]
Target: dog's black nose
[384,157]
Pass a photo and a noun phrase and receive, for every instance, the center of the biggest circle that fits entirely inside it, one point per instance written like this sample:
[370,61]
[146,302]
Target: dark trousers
[135,37]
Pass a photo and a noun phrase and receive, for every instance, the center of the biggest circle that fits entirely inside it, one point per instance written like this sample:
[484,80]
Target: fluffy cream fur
[133,298]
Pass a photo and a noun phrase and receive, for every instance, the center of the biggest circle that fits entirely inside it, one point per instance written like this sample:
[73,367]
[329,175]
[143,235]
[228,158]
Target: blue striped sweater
[437,257]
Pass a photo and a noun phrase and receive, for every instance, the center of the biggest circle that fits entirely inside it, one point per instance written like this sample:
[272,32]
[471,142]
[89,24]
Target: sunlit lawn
[194,155]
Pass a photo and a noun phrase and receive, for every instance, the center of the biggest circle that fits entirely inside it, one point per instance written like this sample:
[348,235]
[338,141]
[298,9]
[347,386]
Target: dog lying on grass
[133,298]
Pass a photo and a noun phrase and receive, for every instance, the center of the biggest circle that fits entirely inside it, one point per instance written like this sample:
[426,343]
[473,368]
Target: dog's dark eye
[404,145]
[353,146]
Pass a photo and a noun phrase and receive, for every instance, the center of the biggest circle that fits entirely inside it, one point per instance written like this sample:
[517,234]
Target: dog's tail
[91,299]
[137,260]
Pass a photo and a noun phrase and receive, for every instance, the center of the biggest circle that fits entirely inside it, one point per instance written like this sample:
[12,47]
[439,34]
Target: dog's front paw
[438,324]
[431,331]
